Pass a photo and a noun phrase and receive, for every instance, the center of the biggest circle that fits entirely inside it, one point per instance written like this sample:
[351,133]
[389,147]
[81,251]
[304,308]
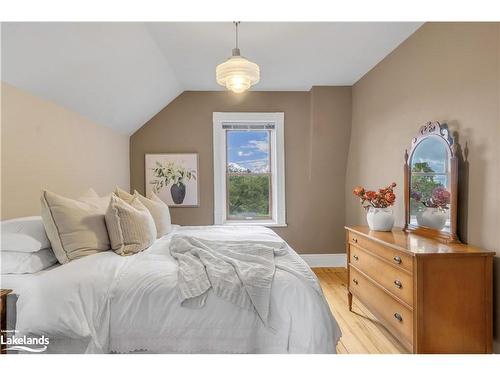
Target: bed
[106,303]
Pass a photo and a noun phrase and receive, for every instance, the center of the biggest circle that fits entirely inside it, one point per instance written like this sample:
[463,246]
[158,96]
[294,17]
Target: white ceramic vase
[380,219]
[431,217]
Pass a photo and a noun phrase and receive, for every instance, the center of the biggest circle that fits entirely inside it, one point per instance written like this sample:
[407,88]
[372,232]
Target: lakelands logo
[24,343]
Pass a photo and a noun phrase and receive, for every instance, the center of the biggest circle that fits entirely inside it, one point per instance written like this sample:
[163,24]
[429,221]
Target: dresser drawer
[396,317]
[395,257]
[396,280]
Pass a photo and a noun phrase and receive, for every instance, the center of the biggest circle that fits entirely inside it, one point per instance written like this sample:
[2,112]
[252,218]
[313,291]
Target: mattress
[106,303]
[17,283]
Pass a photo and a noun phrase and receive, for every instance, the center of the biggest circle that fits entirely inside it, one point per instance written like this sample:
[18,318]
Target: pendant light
[237,73]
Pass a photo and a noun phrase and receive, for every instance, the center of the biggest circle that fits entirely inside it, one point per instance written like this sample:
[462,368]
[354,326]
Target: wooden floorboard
[361,332]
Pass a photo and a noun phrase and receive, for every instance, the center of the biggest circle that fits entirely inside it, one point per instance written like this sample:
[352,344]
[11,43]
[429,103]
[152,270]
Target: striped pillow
[130,226]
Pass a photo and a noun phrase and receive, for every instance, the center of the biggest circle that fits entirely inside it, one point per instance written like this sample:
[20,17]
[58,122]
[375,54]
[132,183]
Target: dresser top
[415,244]
[4,292]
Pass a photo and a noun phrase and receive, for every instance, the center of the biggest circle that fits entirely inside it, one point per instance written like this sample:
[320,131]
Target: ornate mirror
[431,175]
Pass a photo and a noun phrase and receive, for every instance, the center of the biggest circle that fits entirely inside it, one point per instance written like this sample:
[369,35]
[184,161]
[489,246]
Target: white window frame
[278,200]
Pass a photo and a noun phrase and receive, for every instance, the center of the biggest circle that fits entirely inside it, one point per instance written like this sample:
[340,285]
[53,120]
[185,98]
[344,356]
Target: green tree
[248,195]
[423,184]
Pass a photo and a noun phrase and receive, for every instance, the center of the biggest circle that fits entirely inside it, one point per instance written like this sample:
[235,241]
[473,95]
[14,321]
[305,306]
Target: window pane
[248,174]
[248,151]
[248,196]
[429,156]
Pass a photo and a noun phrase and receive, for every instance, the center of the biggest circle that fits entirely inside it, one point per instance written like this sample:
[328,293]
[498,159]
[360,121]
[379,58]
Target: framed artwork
[173,178]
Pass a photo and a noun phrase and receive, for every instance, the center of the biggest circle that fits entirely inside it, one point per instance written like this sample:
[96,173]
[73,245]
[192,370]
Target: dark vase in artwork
[178,192]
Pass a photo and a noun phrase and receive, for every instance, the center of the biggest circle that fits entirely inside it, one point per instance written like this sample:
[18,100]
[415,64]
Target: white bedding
[126,304]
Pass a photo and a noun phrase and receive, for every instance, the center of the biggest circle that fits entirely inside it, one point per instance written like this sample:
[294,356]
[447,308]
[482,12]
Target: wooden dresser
[434,297]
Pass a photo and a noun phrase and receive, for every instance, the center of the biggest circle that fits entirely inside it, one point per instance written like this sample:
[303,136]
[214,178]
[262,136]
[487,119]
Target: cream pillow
[160,212]
[131,227]
[75,228]
[122,194]
[89,194]
[92,198]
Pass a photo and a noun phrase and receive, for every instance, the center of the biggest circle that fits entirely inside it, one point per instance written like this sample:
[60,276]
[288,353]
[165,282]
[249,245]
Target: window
[248,174]
[249,171]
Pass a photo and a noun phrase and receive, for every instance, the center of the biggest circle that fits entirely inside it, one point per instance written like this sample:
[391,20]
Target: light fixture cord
[236,23]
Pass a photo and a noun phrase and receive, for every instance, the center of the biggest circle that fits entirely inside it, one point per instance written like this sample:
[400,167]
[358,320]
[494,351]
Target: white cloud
[262,146]
[241,153]
[256,165]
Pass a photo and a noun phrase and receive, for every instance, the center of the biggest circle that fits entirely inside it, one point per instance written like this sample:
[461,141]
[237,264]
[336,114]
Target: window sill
[257,223]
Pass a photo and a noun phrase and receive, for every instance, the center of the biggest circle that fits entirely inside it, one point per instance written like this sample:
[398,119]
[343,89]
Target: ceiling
[122,74]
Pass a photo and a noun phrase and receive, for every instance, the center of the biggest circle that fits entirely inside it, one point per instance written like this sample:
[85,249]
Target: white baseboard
[325,260]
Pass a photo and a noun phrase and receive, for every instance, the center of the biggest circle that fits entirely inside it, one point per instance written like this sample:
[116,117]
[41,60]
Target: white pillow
[24,234]
[19,262]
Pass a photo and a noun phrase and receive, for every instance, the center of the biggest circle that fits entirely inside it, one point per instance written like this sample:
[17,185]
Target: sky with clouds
[433,151]
[249,149]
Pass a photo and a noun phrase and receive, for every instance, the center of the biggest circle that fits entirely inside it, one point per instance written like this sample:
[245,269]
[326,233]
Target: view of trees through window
[248,174]
[424,180]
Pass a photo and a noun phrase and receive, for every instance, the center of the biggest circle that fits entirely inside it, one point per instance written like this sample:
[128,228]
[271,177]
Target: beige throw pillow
[91,197]
[89,194]
[75,228]
[131,227]
[122,194]
[160,212]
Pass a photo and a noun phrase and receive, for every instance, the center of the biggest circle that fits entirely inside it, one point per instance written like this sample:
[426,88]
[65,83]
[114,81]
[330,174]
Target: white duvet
[127,304]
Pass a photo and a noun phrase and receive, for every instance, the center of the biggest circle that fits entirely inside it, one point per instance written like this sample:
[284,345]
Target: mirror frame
[434,128]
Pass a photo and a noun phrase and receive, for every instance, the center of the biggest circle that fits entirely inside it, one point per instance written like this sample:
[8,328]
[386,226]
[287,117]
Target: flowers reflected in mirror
[439,198]
[433,209]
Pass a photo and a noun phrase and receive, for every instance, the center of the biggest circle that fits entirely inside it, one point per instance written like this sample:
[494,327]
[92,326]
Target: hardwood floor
[361,332]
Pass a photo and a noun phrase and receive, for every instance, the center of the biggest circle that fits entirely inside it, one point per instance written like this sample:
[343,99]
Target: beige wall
[317,126]
[447,72]
[47,146]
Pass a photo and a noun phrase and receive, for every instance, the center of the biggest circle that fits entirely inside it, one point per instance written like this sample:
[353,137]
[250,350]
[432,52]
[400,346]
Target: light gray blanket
[240,271]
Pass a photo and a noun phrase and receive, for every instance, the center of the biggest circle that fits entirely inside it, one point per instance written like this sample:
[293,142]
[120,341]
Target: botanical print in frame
[173,178]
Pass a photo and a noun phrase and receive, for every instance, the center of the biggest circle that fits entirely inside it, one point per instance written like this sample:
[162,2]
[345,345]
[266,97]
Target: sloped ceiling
[122,74]
[112,73]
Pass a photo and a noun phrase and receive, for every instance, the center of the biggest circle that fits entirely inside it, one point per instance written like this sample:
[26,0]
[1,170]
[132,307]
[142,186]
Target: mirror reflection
[430,184]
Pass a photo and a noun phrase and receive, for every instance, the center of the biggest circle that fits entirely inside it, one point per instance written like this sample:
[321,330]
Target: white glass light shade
[237,74]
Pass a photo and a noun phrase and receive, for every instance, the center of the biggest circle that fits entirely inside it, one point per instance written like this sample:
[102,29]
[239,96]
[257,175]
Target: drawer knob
[355,240]
[398,317]
[397,259]
[355,281]
[398,284]
[355,257]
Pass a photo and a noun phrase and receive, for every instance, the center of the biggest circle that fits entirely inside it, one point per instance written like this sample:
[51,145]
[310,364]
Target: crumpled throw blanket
[239,271]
